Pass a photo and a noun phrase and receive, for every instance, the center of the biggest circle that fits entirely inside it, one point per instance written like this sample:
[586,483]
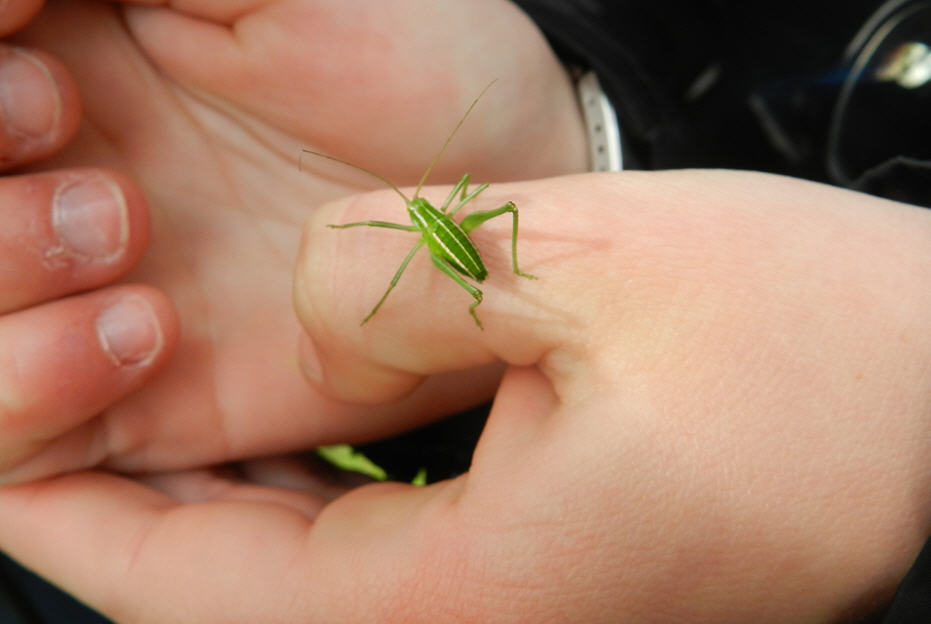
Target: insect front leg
[381,224]
[447,268]
[461,187]
[472,221]
[467,198]
[394,280]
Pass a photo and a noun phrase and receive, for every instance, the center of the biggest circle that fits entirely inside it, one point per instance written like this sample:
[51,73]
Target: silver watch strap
[604,135]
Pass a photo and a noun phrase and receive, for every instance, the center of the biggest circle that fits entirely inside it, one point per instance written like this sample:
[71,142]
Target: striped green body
[446,239]
[451,249]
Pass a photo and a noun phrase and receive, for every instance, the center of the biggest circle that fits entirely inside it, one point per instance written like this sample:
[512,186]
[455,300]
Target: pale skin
[717,392]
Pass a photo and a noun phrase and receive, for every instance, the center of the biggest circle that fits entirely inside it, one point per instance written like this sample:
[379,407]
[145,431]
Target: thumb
[424,326]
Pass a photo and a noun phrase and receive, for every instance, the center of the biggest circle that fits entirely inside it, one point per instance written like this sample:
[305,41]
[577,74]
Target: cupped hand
[716,410]
[201,109]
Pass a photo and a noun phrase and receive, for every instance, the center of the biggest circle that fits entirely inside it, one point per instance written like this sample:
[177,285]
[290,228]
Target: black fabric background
[786,56]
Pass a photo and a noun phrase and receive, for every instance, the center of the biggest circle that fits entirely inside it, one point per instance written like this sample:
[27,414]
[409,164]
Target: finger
[424,326]
[16,13]
[67,231]
[305,484]
[63,362]
[154,560]
[39,105]
[289,487]
[309,475]
[220,11]
[134,554]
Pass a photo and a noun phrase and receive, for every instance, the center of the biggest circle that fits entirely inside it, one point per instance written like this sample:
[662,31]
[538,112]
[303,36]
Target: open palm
[207,106]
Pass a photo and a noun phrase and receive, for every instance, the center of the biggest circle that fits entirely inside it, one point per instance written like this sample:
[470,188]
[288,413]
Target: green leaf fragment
[344,457]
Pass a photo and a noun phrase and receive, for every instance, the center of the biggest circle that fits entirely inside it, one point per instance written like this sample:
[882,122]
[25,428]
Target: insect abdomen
[447,240]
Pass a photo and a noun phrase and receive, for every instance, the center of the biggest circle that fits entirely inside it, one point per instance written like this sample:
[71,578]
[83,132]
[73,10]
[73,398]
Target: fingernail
[129,332]
[91,218]
[29,98]
[309,360]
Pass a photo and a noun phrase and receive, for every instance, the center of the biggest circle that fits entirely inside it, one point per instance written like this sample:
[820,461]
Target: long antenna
[362,169]
[450,138]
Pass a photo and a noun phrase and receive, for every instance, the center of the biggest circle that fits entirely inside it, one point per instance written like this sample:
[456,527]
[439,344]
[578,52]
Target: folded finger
[220,11]
[66,231]
[155,560]
[425,325]
[294,489]
[39,105]
[64,362]
[151,561]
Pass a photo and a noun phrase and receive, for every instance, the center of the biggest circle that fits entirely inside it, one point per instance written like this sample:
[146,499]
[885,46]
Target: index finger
[424,326]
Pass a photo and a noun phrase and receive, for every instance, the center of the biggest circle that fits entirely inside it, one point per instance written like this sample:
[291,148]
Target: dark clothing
[746,84]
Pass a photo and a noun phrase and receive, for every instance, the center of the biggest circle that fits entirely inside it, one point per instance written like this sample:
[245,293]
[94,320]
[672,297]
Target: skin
[735,410]
[205,145]
[715,396]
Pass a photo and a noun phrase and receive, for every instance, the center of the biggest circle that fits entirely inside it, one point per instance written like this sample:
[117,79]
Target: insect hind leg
[394,281]
[449,270]
[461,188]
[472,221]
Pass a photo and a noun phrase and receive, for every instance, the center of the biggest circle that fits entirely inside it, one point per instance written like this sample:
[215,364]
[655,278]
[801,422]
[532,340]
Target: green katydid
[451,249]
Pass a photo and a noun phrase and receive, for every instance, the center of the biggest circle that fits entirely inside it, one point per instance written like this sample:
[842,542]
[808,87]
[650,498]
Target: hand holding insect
[451,249]
[717,406]
[689,337]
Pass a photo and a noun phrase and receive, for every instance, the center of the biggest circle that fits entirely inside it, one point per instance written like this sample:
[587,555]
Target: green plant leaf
[344,457]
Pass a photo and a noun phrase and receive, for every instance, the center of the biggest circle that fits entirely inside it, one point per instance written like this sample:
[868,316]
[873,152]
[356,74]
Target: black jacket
[747,84]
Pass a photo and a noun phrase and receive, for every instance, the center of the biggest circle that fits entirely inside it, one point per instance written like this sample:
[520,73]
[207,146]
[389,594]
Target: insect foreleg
[475,219]
[447,268]
[394,281]
[461,187]
[467,198]
[381,224]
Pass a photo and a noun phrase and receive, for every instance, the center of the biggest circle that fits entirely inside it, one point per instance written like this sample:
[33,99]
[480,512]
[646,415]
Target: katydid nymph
[451,250]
